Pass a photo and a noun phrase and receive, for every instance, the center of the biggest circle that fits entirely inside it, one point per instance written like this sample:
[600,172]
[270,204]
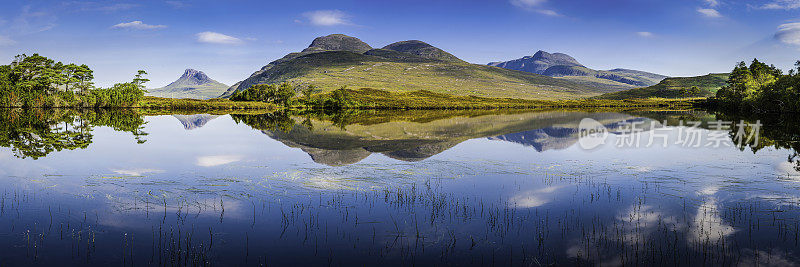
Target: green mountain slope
[192,84]
[416,66]
[565,67]
[422,49]
[673,87]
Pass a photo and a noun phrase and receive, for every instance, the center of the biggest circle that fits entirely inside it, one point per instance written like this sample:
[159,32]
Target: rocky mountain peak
[194,77]
[407,45]
[338,42]
[422,49]
[556,58]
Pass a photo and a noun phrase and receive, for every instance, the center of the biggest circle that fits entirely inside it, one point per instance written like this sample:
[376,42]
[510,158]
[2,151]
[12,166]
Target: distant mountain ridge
[192,84]
[337,60]
[563,66]
[538,63]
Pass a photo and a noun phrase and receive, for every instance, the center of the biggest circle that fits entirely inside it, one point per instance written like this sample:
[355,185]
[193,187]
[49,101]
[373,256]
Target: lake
[505,188]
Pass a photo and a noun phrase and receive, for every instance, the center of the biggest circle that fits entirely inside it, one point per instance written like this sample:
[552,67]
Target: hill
[422,49]
[334,61]
[565,67]
[674,88]
[192,84]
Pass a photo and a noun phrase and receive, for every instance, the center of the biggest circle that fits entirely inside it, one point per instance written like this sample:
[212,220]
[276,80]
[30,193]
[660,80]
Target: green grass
[670,87]
[372,99]
[150,102]
[378,99]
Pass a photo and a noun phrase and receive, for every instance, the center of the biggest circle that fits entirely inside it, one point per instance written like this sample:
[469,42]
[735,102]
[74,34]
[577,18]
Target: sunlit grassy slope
[670,87]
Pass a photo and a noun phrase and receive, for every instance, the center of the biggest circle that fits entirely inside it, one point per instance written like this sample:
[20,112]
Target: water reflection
[35,133]
[389,188]
[191,122]
[334,143]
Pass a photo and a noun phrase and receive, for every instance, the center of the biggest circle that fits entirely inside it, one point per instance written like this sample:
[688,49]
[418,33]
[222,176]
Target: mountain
[538,63]
[563,66]
[672,87]
[333,61]
[192,84]
[338,42]
[422,49]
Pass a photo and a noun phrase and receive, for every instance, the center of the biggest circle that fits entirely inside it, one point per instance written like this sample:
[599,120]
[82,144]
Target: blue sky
[231,39]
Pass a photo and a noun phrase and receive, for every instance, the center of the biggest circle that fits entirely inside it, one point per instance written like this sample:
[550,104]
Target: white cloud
[645,34]
[30,22]
[783,4]
[137,25]
[327,18]
[96,6]
[217,38]
[115,7]
[211,161]
[709,12]
[534,5]
[5,41]
[548,12]
[527,3]
[712,3]
[789,33]
[177,4]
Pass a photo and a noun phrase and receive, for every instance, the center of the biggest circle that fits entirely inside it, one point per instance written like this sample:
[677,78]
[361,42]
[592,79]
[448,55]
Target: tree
[84,75]
[270,93]
[34,72]
[695,91]
[746,84]
[139,79]
[760,88]
[70,76]
[284,93]
[308,91]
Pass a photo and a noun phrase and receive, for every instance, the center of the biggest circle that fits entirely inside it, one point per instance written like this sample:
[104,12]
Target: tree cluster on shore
[286,95]
[761,88]
[37,81]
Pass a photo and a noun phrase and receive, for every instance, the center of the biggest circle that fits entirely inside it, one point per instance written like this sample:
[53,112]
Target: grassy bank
[150,102]
[371,99]
[378,99]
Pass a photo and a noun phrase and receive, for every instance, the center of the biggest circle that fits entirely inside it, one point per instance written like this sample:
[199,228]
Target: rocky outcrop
[338,42]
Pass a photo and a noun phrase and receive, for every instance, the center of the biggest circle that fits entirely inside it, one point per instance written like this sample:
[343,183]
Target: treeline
[760,88]
[37,81]
[289,95]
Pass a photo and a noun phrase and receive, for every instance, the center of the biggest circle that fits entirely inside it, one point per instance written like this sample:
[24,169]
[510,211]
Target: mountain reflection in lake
[388,188]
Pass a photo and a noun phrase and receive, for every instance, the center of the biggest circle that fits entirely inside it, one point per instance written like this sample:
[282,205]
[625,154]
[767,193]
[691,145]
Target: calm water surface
[414,188]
